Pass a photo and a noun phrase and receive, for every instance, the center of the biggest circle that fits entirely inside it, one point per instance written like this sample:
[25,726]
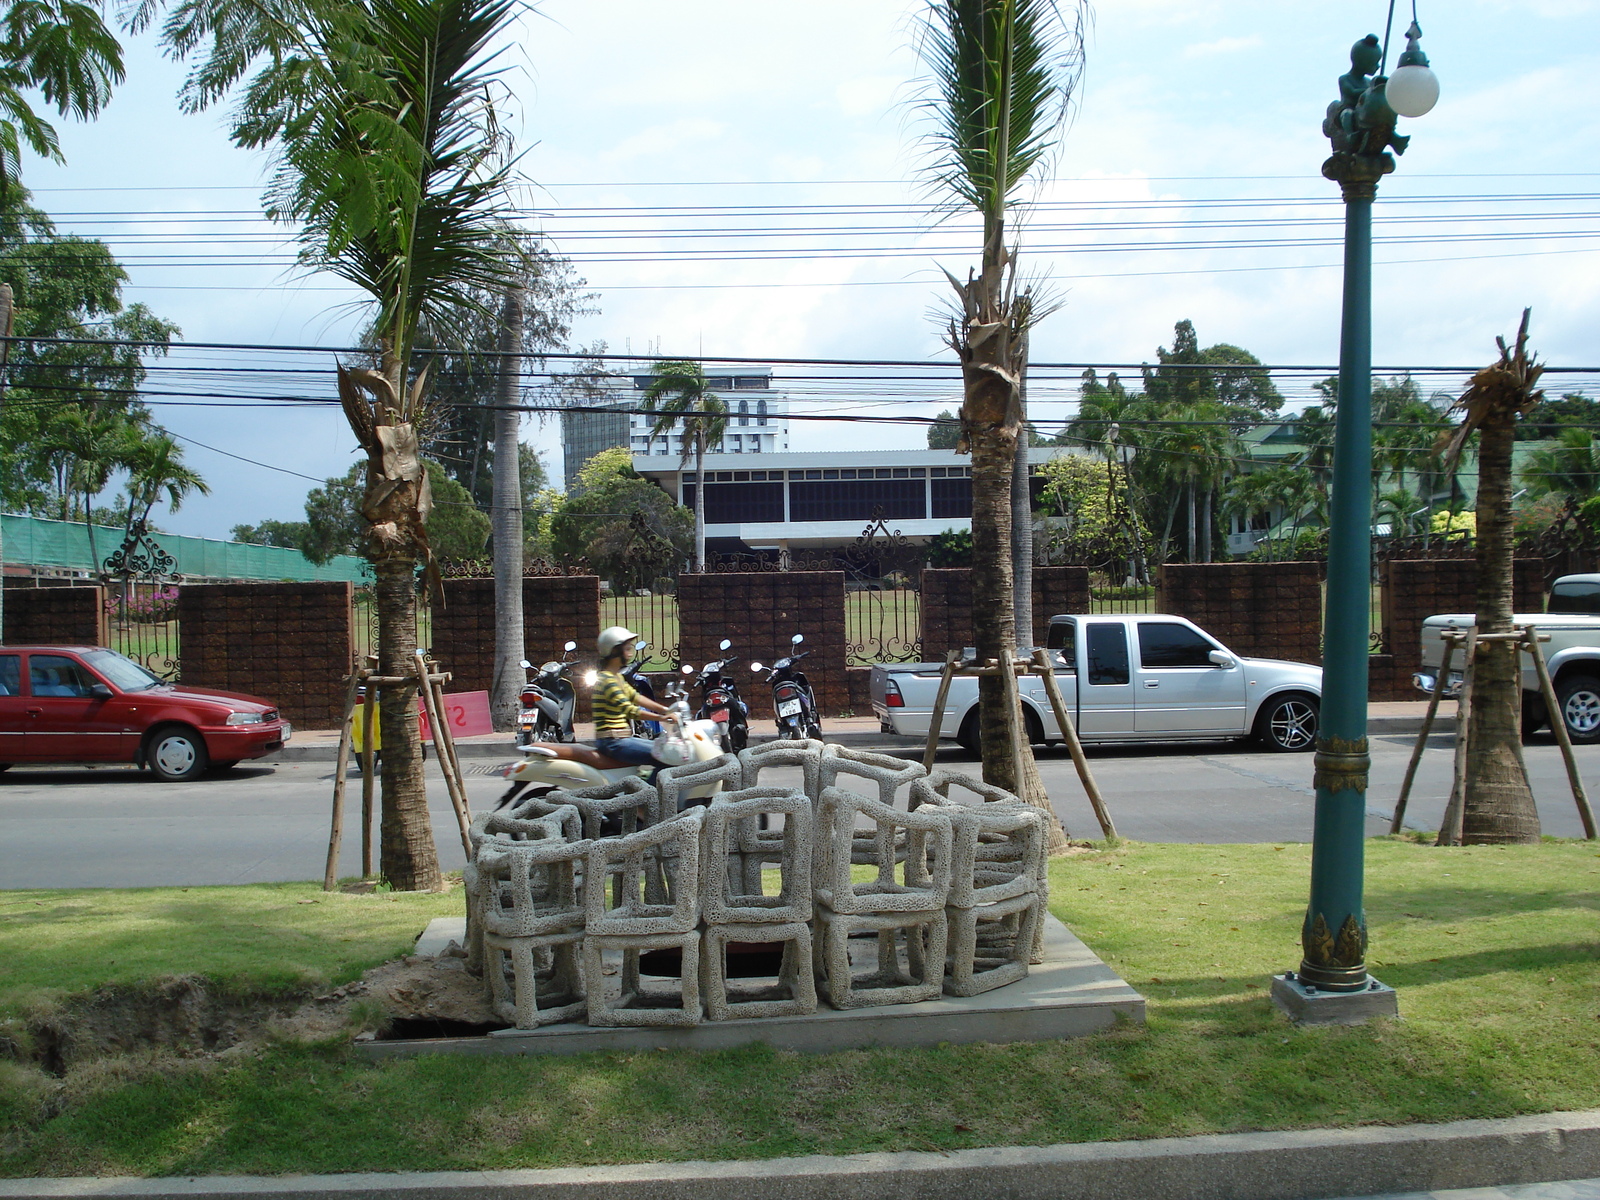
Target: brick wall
[288,643]
[556,609]
[1264,610]
[55,616]
[1415,589]
[759,612]
[947,604]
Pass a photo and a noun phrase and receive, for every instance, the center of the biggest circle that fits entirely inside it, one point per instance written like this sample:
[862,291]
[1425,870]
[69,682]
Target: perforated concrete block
[631,801]
[805,754]
[997,851]
[733,851]
[633,1003]
[530,888]
[794,994]
[695,783]
[668,852]
[535,981]
[991,945]
[910,957]
[888,773]
[928,829]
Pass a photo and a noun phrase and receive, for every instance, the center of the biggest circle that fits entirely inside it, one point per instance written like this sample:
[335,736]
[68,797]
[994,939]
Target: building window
[744,412]
[743,503]
[843,500]
[761,412]
[951,498]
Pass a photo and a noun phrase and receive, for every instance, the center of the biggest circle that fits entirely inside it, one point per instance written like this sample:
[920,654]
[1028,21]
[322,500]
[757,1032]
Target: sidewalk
[859,733]
[1559,1152]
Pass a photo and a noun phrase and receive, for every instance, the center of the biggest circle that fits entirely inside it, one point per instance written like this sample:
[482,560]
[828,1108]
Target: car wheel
[967,735]
[1033,727]
[1288,724]
[175,754]
[1579,699]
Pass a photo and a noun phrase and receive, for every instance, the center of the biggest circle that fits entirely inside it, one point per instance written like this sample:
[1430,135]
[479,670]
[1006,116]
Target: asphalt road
[117,827]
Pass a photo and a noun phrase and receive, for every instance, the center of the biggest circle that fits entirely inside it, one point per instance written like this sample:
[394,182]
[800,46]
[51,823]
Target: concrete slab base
[1071,994]
[1313,1006]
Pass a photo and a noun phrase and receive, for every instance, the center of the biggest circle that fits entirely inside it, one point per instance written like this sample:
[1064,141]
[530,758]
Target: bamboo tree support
[1450,828]
[1451,639]
[1016,727]
[937,719]
[444,747]
[1558,723]
[369,760]
[330,873]
[1069,734]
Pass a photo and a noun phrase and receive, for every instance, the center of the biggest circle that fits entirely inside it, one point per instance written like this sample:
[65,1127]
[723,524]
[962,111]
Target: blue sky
[1197,124]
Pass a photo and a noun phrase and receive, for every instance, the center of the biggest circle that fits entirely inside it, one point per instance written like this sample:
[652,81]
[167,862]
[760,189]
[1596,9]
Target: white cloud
[665,140]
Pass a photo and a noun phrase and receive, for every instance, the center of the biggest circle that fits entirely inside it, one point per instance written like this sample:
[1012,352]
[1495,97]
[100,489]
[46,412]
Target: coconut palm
[1570,468]
[155,470]
[1498,804]
[391,161]
[679,393]
[1003,73]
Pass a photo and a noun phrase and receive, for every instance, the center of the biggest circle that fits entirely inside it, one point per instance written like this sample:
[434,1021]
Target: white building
[758,417]
[800,501]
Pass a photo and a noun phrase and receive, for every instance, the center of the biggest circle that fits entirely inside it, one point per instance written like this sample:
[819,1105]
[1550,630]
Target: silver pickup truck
[1145,678]
[1572,655]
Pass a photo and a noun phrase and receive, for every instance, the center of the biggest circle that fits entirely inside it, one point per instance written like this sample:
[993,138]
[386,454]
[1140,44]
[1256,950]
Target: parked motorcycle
[720,701]
[583,766]
[793,701]
[548,702]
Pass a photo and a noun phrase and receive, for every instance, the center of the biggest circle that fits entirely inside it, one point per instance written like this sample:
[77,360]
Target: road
[116,827]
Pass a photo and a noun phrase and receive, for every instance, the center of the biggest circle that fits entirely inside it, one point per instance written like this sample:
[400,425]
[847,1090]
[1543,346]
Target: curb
[1292,1165]
[328,751]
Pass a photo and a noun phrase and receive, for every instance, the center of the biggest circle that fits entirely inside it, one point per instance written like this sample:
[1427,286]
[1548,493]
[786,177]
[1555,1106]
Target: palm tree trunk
[1022,512]
[699,502]
[509,637]
[407,856]
[1205,525]
[1194,545]
[1499,806]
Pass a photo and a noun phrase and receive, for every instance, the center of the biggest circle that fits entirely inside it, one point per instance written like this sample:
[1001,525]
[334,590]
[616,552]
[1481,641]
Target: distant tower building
[758,417]
[585,434]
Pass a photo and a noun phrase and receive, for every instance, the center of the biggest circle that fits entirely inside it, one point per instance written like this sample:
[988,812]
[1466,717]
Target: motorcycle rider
[616,705]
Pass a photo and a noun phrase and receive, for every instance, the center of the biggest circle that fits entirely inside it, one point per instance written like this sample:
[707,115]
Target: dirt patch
[188,1016]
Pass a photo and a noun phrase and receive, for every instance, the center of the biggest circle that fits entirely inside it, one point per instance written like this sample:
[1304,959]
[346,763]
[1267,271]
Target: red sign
[466,712]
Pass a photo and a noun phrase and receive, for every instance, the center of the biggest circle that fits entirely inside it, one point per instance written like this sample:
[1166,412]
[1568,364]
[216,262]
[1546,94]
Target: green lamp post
[1332,984]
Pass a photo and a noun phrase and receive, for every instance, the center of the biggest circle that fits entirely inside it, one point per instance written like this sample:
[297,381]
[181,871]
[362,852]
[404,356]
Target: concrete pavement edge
[1284,1165]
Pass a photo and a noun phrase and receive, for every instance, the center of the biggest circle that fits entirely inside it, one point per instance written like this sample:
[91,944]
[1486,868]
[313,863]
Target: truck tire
[967,736]
[1288,724]
[1579,698]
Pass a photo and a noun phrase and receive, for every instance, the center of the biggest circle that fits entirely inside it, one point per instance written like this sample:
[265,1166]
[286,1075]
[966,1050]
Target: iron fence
[142,623]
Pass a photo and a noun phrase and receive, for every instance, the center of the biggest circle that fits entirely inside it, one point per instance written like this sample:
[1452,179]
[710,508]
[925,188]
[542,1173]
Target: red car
[62,704]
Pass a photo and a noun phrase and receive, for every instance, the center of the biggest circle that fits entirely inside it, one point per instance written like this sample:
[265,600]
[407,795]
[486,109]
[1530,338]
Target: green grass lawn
[1495,952]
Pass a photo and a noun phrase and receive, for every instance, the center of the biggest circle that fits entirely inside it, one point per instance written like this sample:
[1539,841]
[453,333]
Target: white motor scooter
[574,766]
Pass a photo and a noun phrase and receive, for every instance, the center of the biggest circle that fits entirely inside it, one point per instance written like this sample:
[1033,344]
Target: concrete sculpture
[585,904]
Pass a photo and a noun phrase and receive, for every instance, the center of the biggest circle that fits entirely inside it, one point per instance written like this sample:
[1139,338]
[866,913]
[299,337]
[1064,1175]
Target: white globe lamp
[1413,89]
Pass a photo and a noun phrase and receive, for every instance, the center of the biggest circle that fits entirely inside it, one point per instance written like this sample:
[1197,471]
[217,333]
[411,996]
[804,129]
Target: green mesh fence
[39,542]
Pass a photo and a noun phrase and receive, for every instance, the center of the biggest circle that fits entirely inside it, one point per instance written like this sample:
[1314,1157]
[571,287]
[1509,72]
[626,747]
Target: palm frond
[1502,391]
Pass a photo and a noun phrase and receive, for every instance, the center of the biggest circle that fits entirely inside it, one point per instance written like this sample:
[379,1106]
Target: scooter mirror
[640,647]
[725,644]
[570,647]
[755,668]
[688,669]
[797,639]
[526,665]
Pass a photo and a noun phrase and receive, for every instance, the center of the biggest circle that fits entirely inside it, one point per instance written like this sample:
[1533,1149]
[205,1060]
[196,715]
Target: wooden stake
[1069,734]
[448,745]
[369,761]
[1455,812]
[1450,641]
[452,782]
[330,873]
[937,719]
[1558,723]
[1015,725]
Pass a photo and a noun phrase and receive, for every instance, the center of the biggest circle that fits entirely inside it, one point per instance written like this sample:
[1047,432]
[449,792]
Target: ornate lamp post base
[1307,1004]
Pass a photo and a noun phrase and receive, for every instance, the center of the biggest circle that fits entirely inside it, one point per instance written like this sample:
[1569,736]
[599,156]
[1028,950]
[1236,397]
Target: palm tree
[156,469]
[679,392]
[1003,75]
[1570,468]
[510,634]
[391,160]
[63,49]
[1498,804]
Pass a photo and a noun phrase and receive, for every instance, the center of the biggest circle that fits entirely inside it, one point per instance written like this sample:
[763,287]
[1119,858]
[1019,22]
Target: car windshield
[126,674]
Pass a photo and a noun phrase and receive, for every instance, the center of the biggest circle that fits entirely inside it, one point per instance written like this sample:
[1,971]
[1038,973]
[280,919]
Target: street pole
[1332,985]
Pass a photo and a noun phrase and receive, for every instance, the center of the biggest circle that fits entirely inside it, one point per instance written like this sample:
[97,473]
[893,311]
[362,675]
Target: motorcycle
[633,674]
[720,702]
[572,767]
[548,702]
[793,701]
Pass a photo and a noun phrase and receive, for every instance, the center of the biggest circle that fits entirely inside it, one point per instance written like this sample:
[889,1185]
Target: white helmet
[611,638]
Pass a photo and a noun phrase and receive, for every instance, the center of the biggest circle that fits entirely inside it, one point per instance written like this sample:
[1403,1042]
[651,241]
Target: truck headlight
[244,719]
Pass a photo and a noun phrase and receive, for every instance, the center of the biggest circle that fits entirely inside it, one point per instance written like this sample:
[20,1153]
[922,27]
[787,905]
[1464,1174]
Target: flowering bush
[149,607]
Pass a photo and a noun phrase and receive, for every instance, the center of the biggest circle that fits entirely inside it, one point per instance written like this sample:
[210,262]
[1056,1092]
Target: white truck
[1144,678]
[1572,655]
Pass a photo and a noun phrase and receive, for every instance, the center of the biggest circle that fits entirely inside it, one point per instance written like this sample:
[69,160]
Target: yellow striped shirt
[615,705]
